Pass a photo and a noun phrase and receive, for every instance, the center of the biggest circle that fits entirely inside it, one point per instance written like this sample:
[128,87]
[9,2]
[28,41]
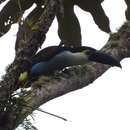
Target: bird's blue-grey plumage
[48,53]
[58,62]
[55,58]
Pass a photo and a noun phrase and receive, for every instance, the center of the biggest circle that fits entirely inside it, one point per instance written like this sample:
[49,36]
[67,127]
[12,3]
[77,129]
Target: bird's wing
[49,52]
[80,49]
[45,54]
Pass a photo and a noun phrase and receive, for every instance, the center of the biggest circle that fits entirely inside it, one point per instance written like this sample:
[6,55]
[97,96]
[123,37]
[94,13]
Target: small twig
[39,109]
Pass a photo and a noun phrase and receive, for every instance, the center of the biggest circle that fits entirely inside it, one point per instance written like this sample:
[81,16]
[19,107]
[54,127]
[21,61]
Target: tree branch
[47,88]
[31,43]
[9,111]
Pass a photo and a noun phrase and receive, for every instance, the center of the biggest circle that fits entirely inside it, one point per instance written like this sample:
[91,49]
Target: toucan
[55,58]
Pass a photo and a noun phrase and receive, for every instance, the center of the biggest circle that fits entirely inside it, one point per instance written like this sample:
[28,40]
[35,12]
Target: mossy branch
[31,44]
[47,88]
[21,62]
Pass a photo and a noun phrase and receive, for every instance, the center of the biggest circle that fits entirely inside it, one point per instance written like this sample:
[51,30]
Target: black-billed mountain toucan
[53,58]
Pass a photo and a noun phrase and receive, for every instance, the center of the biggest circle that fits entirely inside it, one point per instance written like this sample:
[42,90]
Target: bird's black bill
[104,59]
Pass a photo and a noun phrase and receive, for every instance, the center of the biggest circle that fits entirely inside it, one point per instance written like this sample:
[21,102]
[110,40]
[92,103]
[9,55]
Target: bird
[56,58]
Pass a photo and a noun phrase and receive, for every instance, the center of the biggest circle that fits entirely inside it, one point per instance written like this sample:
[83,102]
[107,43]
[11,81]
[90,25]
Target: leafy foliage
[1,1]
[12,12]
[68,25]
[127,13]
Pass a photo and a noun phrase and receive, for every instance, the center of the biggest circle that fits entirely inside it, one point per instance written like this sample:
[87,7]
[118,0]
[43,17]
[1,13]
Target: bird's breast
[68,58]
[58,62]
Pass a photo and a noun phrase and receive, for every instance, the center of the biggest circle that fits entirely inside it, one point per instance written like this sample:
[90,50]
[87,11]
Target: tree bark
[9,112]
[47,88]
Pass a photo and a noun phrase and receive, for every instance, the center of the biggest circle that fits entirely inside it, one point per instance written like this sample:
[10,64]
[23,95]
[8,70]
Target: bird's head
[101,57]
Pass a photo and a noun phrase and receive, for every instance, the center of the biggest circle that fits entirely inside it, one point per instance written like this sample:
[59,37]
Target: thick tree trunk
[26,48]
